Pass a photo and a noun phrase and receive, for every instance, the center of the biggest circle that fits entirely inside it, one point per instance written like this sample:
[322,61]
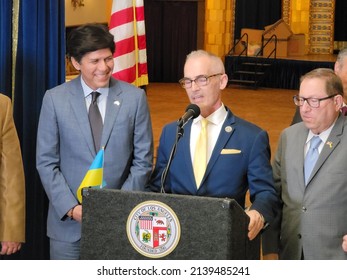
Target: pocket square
[230,151]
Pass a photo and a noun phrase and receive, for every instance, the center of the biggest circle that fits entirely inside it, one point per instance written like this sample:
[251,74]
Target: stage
[284,72]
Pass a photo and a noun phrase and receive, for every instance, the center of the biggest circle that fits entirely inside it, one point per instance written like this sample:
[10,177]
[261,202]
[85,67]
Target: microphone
[192,111]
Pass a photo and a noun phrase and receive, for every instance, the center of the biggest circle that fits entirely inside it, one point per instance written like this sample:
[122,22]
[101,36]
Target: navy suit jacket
[65,148]
[239,161]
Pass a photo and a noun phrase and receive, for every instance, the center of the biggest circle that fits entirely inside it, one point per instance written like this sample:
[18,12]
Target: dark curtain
[5,47]
[283,73]
[340,31]
[40,66]
[256,14]
[171,33]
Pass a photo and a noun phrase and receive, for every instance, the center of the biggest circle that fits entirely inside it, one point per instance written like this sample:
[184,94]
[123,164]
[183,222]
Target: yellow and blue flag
[94,176]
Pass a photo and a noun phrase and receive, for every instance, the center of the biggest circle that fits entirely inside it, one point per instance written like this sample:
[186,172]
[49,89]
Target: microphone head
[195,109]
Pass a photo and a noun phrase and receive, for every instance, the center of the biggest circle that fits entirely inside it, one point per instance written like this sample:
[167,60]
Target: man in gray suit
[313,216]
[340,68]
[65,145]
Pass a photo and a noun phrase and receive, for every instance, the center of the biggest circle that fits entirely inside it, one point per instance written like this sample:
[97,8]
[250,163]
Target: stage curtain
[340,33]
[171,33]
[283,73]
[256,14]
[5,47]
[40,66]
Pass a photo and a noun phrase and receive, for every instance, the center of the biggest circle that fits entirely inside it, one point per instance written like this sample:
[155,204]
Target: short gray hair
[341,57]
[202,53]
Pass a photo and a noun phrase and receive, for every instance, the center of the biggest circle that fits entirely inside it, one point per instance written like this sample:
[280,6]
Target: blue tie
[311,157]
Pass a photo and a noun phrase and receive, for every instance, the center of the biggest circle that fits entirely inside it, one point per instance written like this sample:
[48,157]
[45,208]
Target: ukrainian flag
[94,176]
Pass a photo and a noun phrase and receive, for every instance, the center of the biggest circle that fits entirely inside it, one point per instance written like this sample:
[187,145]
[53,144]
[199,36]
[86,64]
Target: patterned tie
[95,120]
[311,157]
[200,156]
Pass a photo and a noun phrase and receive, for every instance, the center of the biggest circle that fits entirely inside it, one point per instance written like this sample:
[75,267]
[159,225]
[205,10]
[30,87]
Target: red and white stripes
[127,25]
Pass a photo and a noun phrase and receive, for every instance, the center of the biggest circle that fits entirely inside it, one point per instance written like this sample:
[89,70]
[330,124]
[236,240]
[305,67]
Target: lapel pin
[330,144]
[116,103]
[228,128]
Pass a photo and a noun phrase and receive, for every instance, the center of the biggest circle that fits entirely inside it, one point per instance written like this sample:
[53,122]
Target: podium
[127,225]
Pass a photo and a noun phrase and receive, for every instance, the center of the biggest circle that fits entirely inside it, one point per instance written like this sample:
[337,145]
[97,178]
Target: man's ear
[75,64]
[338,99]
[223,81]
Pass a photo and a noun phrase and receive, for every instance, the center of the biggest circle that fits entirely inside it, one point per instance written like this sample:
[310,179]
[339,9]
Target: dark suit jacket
[240,160]
[65,148]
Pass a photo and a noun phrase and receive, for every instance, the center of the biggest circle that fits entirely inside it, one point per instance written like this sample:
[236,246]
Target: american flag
[146,222]
[127,25]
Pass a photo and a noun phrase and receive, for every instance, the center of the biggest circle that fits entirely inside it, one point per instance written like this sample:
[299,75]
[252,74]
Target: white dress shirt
[215,123]
[102,99]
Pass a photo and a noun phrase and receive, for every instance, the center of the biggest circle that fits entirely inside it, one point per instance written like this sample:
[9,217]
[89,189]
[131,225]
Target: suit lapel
[226,131]
[78,104]
[297,150]
[114,103]
[330,145]
[185,146]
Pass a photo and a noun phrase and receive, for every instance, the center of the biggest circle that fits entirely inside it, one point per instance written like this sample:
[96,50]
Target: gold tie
[200,156]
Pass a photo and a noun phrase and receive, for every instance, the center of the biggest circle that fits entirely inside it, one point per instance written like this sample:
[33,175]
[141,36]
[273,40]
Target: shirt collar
[216,117]
[323,135]
[87,90]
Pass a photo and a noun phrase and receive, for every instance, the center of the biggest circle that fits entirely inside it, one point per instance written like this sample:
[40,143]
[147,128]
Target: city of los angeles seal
[153,229]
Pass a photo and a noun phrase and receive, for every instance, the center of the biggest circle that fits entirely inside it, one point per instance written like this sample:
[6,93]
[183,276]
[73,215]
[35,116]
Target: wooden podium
[143,225]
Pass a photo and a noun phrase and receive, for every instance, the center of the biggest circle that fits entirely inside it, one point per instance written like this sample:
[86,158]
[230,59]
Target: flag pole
[136,44]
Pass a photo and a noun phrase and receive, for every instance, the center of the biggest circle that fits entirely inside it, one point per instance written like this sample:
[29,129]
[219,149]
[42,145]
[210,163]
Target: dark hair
[88,38]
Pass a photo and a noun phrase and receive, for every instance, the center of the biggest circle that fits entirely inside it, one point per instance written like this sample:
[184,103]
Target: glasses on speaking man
[201,80]
[312,102]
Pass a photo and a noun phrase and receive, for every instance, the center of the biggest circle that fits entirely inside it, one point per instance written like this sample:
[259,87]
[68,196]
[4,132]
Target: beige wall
[92,11]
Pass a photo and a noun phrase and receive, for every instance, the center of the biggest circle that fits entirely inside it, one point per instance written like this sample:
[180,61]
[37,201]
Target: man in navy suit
[238,153]
[65,145]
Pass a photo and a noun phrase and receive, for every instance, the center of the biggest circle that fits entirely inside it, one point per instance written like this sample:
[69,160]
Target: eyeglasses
[312,102]
[201,80]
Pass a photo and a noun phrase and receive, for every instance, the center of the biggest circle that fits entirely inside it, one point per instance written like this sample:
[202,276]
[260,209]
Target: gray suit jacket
[314,218]
[65,147]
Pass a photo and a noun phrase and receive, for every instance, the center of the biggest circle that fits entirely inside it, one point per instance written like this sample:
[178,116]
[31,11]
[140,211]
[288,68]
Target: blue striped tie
[311,157]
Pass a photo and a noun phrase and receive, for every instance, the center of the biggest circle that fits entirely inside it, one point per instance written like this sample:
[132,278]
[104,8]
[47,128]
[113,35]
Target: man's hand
[256,223]
[344,243]
[77,213]
[9,247]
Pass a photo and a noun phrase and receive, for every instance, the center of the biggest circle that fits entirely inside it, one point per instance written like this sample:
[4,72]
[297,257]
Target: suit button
[304,209]
[299,235]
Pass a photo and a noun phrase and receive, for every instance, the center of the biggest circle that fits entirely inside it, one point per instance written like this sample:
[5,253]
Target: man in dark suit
[312,220]
[340,69]
[238,152]
[65,145]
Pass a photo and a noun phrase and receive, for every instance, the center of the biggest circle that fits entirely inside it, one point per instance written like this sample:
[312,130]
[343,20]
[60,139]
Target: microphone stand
[179,135]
